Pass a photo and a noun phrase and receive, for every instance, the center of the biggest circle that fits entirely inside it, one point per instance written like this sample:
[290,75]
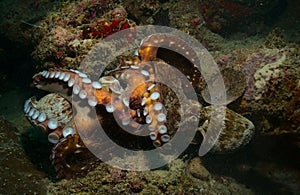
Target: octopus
[128,96]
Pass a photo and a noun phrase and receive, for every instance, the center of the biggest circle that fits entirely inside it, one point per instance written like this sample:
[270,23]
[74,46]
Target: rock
[197,170]
[18,173]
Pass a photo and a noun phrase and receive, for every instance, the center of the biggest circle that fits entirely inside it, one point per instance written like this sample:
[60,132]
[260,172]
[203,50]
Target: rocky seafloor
[259,38]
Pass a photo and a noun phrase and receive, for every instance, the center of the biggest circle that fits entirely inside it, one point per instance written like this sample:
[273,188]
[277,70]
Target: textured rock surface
[171,180]
[197,170]
[18,174]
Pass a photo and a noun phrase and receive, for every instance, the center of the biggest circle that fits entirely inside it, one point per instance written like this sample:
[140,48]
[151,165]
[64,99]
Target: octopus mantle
[150,103]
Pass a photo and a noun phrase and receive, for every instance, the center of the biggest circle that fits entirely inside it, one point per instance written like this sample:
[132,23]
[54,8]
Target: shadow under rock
[269,164]
[38,149]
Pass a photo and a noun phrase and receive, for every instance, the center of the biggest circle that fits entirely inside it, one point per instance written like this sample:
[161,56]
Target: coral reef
[275,39]
[272,72]
[104,28]
[275,78]
[67,34]
[173,179]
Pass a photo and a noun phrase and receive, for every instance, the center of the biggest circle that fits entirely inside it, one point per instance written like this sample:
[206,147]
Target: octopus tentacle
[108,90]
[50,114]
[176,48]
[145,99]
[72,158]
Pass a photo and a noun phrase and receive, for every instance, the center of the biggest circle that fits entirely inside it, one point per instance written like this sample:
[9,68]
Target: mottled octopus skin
[67,144]
[237,130]
[91,92]
[146,104]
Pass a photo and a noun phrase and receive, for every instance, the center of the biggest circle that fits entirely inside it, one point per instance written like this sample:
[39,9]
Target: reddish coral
[104,28]
[196,21]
